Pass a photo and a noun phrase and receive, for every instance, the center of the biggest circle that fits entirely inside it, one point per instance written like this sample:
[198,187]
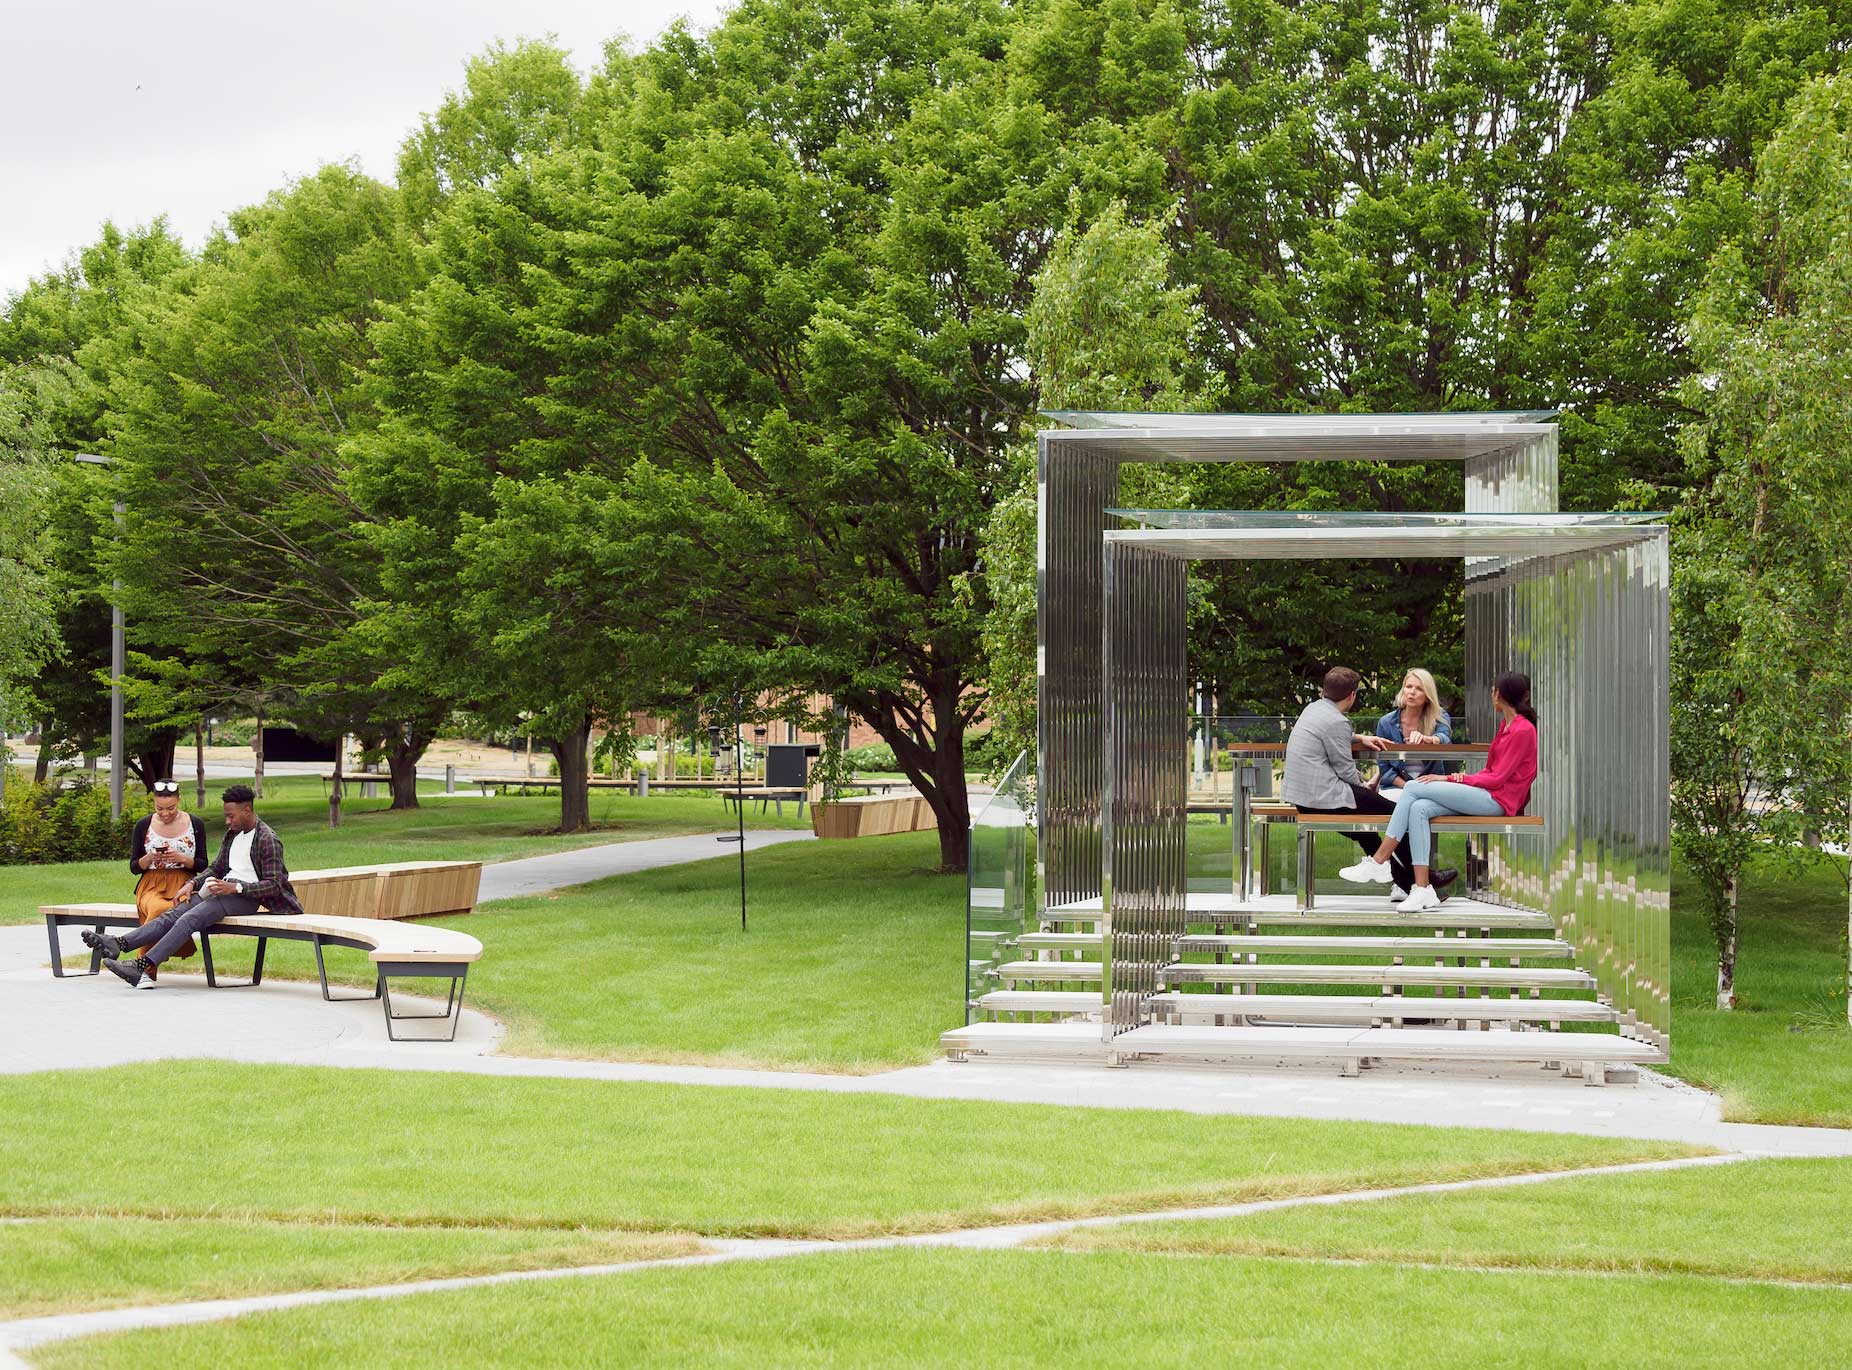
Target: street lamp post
[115,662]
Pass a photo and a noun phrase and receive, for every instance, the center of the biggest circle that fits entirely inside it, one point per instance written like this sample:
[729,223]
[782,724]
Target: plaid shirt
[272,889]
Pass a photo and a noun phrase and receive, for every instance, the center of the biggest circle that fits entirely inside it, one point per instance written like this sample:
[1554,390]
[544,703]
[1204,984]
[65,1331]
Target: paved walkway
[538,874]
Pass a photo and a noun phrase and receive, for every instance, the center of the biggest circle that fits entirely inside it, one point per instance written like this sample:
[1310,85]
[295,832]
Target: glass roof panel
[1126,418]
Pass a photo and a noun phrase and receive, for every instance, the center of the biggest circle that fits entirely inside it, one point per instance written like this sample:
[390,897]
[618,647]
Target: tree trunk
[1726,956]
[257,747]
[575,804]
[938,774]
[334,790]
[157,762]
[41,770]
[402,760]
[199,762]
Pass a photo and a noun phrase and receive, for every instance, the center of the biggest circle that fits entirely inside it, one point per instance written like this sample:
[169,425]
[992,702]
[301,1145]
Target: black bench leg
[453,1010]
[322,970]
[257,965]
[57,952]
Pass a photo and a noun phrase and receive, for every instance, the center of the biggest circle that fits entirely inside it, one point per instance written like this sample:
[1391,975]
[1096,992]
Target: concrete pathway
[26,1333]
[538,874]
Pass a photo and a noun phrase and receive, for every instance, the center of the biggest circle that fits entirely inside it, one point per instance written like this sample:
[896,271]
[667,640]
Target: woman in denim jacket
[1416,718]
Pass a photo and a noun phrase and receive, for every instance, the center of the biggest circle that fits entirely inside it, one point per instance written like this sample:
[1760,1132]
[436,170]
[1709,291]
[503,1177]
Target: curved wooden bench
[397,950]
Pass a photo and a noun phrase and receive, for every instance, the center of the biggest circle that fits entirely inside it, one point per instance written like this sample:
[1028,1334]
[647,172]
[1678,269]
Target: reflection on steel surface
[997,879]
[1591,632]
[1145,740]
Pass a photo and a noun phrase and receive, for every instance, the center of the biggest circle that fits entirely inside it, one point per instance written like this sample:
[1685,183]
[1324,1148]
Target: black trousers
[173,929]
[1401,869]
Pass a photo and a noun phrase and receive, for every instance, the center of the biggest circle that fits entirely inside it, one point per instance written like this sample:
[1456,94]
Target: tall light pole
[115,663]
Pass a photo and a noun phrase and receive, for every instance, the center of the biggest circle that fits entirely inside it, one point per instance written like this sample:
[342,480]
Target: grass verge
[375,1147]
[74,1265]
[1778,1220]
[1784,1054]
[932,1308]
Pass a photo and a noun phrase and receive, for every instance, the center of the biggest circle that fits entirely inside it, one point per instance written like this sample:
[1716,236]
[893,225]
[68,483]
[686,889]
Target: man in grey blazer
[1322,776]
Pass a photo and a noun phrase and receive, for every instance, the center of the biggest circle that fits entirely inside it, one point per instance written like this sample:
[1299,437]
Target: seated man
[248,872]
[1322,777]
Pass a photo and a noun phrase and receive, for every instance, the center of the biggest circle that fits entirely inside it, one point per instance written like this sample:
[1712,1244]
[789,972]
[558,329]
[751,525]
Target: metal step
[1321,944]
[1370,1007]
[1049,970]
[1349,1045]
[1337,973]
[1337,910]
[1315,944]
[1040,1001]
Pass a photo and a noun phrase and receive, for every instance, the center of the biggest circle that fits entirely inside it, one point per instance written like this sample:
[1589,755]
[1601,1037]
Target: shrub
[876,756]
[41,824]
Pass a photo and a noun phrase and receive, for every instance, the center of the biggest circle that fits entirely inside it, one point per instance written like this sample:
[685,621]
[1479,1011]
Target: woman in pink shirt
[1502,788]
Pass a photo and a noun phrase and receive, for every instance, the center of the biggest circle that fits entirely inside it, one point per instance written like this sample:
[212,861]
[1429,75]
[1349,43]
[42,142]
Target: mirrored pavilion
[1559,950]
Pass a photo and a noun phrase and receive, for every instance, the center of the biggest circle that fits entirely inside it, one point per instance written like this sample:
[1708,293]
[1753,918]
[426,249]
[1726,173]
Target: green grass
[934,1308]
[295,1143]
[440,829]
[1784,1055]
[72,1265]
[1781,1220]
[850,961]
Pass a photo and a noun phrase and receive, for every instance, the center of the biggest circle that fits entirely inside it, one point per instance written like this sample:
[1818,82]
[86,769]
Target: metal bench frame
[457,972]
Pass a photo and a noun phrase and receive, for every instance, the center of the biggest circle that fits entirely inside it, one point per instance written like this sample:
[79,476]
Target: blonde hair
[1430,716]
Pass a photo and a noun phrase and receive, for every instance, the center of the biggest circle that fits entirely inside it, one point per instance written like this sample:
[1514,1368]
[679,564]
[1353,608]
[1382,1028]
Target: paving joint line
[26,1333]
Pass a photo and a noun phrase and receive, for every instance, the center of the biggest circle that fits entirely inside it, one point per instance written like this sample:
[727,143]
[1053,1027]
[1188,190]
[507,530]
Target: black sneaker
[103,942]
[1440,879]
[130,972]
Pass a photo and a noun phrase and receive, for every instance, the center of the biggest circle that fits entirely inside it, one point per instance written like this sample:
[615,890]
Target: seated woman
[1417,718]
[168,850]
[1502,789]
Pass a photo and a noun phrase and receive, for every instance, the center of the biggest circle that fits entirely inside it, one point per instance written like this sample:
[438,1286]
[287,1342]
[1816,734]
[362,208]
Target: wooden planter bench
[397,950]
[872,816]
[394,889]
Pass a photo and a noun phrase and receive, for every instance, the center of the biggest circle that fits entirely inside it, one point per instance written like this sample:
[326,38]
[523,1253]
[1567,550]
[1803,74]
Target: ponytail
[1514,688]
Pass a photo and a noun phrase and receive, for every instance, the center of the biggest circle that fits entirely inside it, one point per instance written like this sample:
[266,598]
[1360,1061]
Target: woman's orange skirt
[155,893]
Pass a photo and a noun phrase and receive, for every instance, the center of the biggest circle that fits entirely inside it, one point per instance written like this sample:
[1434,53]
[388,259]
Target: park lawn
[439,829]
[937,1307]
[850,961]
[1775,1219]
[1784,1055]
[72,1265]
[292,1143]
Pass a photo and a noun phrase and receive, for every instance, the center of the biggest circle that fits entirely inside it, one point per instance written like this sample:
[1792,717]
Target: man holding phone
[249,871]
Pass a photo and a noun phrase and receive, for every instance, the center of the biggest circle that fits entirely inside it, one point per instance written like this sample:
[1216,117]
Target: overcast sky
[128,109]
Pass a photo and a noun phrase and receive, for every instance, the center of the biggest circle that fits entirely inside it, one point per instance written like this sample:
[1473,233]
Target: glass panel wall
[998,894]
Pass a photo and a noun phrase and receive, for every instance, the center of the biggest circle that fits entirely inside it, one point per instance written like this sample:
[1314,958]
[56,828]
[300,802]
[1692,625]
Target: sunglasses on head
[167,787]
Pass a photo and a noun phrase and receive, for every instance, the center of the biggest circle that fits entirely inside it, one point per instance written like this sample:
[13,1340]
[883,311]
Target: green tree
[245,545]
[1763,630]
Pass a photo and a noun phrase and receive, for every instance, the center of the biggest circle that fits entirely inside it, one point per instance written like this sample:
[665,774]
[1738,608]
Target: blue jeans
[1421,801]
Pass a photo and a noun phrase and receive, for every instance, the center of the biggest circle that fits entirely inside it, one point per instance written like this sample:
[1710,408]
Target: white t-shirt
[240,869]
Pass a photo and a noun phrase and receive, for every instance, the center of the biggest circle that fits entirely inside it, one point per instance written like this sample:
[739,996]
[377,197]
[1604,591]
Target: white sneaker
[1397,894]
[1419,898]
[1368,871]
[146,981]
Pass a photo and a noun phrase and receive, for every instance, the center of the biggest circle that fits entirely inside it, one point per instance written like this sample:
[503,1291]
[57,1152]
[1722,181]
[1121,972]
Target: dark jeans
[173,929]
[1401,870]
